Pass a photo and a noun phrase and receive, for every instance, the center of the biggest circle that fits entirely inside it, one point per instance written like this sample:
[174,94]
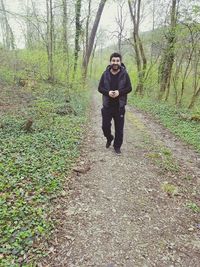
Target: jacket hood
[122,66]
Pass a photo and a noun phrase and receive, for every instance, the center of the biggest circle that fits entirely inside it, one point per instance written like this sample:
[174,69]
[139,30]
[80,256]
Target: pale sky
[107,20]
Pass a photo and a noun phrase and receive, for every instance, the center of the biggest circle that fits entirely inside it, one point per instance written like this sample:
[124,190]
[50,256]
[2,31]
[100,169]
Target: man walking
[114,86]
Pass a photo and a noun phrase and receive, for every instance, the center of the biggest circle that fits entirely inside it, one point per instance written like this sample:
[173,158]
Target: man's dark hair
[116,55]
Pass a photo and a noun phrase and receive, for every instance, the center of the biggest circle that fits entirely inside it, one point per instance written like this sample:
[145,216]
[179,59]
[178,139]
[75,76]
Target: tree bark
[92,37]
[166,65]
[87,25]
[140,57]
[196,80]
[65,41]
[121,21]
[49,8]
[77,34]
[9,36]
[194,98]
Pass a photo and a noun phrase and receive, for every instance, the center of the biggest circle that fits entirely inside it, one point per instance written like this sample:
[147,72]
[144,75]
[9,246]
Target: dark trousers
[117,114]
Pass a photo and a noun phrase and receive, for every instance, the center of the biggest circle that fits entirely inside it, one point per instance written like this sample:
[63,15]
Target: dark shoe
[109,142]
[117,150]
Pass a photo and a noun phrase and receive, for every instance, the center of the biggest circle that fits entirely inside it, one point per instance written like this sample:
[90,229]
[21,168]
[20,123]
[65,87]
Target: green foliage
[6,75]
[33,64]
[189,131]
[163,157]
[7,72]
[193,206]
[36,62]
[33,167]
[170,189]
[154,43]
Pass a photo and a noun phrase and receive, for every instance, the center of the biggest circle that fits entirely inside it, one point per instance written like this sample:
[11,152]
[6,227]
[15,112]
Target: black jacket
[124,86]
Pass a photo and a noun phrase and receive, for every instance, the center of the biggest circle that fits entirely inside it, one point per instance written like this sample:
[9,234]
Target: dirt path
[130,210]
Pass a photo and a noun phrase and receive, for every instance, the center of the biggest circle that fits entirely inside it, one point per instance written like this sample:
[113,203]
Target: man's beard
[115,67]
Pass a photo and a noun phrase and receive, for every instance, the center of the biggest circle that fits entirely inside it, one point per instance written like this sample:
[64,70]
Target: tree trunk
[8,33]
[50,39]
[29,33]
[65,42]
[186,72]
[140,57]
[92,57]
[37,35]
[194,98]
[121,21]
[92,37]
[195,80]
[166,64]
[87,26]
[184,79]
[77,34]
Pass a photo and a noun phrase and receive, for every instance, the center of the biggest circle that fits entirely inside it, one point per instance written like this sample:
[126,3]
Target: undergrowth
[171,117]
[34,165]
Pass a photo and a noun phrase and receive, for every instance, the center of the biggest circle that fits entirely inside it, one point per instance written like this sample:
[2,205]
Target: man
[114,86]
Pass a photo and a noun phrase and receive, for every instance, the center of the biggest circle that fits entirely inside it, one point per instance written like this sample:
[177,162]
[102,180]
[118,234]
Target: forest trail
[130,210]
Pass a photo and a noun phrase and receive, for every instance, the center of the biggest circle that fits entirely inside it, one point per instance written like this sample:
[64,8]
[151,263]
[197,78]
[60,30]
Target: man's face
[115,63]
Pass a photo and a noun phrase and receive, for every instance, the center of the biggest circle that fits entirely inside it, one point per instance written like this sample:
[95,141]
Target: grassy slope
[169,116]
[33,167]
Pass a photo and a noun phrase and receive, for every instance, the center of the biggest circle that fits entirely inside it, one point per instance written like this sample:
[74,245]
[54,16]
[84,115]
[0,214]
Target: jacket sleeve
[101,88]
[128,87]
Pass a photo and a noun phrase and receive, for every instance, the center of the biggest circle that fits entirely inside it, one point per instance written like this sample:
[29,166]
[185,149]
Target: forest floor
[140,208]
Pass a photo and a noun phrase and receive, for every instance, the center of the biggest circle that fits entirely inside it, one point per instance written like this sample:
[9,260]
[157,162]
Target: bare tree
[92,37]
[196,80]
[65,40]
[87,25]
[121,22]
[77,34]
[166,64]
[8,36]
[49,9]
[141,61]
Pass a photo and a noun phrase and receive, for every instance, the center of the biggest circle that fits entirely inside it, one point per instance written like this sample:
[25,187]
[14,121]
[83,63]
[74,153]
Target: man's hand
[114,93]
